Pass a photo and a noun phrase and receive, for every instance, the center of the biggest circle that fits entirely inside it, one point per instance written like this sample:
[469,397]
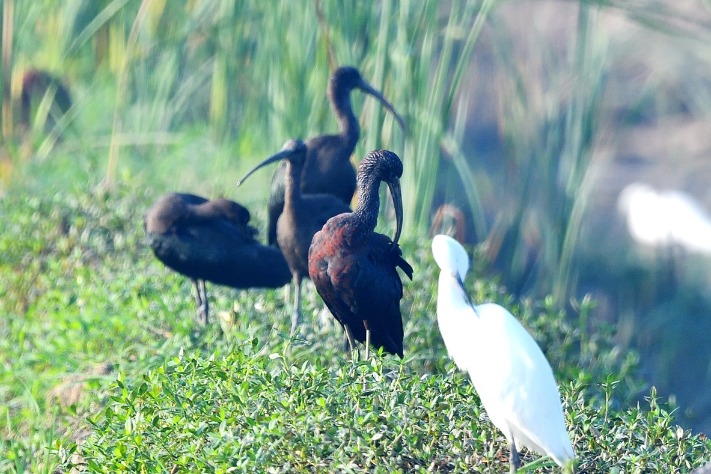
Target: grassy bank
[102,358]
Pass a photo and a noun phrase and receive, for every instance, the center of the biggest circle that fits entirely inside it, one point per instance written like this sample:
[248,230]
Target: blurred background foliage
[525,121]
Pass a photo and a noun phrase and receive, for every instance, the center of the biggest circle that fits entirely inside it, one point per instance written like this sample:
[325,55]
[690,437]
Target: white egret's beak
[467,298]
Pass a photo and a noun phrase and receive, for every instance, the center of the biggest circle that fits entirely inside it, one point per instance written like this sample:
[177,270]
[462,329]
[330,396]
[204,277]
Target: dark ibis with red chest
[303,216]
[327,168]
[354,268]
[211,240]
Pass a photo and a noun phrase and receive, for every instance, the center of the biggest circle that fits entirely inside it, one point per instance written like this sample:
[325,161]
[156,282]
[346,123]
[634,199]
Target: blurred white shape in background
[666,218]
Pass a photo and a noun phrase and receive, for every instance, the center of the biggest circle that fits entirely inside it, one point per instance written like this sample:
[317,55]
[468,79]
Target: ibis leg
[367,339]
[349,339]
[514,459]
[296,314]
[198,297]
[287,294]
[201,299]
[205,303]
[346,343]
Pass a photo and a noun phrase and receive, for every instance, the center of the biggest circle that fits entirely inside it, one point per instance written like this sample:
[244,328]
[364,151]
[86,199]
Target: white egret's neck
[450,295]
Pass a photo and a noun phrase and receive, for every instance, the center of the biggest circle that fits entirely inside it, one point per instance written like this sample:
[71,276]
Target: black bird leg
[367,339]
[205,303]
[198,298]
[296,314]
[349,339]
[514,459]
[287,293]
[346,343]
[349,344]
[201,299]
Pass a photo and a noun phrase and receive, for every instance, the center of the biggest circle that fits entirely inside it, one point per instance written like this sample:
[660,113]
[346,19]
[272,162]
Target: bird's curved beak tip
[366,87]
[396,194]
[276,157]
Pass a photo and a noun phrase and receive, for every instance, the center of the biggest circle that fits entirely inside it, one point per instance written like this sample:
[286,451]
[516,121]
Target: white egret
[509,371]
[665,218]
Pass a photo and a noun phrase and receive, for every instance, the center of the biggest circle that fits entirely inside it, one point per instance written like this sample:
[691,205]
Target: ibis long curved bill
[396,195]
[277,157]
[367,88]
[286,151]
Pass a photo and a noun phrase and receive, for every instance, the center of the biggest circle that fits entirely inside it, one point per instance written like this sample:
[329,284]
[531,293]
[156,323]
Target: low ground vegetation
[104,368]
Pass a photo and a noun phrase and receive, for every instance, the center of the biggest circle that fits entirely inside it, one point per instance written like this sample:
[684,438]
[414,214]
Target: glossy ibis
[449,218]
[354,268]
[38,86]
[509,371]
[303,216]
[212,241]
[328,169]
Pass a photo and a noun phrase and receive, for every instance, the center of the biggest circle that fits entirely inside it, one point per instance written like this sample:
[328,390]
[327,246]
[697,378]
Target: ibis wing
[325,266]
[398,260]
[361,284]
[378,290]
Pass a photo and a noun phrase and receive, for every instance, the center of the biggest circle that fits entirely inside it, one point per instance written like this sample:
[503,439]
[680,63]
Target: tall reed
[244,75]
[8,23]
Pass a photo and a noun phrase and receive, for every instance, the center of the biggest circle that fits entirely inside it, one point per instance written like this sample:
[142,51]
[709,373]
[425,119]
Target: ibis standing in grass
[328,168]
[303,216]
[354,268]
[508,369]
[211,240]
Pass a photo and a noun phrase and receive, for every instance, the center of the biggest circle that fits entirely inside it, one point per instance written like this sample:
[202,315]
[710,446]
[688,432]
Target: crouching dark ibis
[211,240]
[354,268]
[327,168]
[303,216]
[37,86]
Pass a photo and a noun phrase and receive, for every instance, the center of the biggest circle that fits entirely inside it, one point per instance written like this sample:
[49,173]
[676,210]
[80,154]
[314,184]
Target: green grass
[104,366]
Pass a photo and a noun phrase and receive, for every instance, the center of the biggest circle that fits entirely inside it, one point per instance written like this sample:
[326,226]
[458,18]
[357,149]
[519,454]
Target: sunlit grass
[88,307]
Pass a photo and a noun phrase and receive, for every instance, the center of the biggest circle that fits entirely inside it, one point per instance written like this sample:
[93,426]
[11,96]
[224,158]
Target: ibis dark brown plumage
[211,240]
[37,86]
[327,168]
[354,268]
[303,216]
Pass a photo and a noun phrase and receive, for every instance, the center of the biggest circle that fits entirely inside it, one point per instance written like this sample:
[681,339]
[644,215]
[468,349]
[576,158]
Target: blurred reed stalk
[8,23]
[121,87]
[549,126]
[245,75]
[175,68]
[429,59]
[580,132]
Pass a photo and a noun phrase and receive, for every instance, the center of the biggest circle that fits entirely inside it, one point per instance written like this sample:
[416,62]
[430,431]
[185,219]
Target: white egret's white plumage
[509,371]
[665,218]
